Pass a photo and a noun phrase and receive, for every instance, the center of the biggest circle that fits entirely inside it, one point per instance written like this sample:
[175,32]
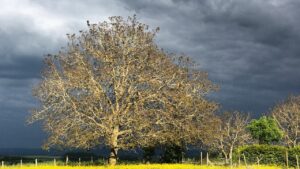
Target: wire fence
[52,160]
[203,159]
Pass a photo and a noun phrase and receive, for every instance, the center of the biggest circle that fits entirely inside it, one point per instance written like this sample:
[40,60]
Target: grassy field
[150,166]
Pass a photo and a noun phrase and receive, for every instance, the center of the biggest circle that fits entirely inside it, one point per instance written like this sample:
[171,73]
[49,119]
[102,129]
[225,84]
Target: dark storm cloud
[249,47]
[18,68]
[22,47]
[29,30]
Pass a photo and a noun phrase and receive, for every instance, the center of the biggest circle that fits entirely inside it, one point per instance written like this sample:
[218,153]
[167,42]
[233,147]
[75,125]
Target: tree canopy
[265,130]
[232,133]
[113,85]
[287,116]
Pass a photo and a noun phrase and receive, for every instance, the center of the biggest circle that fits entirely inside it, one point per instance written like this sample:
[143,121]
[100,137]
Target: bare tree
[232,133]
[287,115]
[112,85]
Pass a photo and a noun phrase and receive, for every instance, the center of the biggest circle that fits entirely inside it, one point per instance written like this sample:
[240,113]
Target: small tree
[265,130]
[232,133]
[287,116]
[112,85]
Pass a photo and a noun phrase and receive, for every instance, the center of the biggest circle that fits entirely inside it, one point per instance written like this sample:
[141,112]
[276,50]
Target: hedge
[292,155]
[268,154]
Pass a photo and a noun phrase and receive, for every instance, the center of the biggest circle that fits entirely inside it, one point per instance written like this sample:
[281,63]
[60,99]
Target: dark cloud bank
[249,47]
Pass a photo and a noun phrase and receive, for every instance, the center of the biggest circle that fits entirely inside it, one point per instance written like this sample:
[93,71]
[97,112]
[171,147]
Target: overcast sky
[250,48]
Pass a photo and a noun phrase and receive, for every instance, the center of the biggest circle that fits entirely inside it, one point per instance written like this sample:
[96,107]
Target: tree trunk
[230,155]
[226,160]
[113,156]
[226,157]
[114,147]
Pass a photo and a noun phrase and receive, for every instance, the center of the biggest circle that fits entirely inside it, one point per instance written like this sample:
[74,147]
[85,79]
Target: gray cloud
[248,47]
[31,29]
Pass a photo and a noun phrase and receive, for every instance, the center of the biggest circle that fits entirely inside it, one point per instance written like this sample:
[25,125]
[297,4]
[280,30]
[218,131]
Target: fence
[47,160]
[203,159]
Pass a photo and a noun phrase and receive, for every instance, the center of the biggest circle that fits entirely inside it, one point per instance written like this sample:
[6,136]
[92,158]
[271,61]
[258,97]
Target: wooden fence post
[201,158]
[297,160]
[36,162]
[67,160]
[79,161]
[239,159]
[287,159]
[207,158]
[92,159]
[2,164]
[21,162]
[54,161]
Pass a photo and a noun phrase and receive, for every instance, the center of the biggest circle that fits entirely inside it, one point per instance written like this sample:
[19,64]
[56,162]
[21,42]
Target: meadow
[145,166]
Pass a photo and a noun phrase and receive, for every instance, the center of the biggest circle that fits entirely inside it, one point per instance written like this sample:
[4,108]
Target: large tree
[112,85]
[287,116]
[232,133]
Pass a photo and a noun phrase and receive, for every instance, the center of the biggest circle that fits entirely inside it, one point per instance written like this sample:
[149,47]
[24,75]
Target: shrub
[172,154]
[269,154]
[292,155]
[149,153]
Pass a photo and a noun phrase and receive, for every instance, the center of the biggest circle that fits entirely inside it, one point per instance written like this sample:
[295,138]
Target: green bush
[292,155]
[268,154]
[172,154]
[149,153]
